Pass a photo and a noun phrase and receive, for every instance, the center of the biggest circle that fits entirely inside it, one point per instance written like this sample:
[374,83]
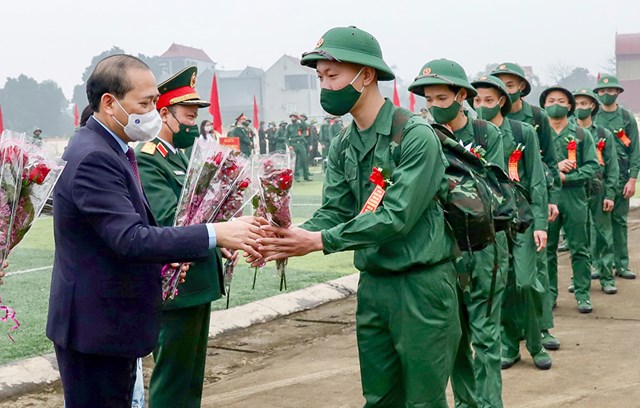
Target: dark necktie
[134,164]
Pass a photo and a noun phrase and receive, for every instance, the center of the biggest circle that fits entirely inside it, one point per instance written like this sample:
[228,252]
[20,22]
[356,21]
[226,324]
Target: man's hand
[230,255]
[287,243]
[566,165]
[4,266]
[183,270]
[629,189]
[563,177]
[553,212]
[540,238]
[240,234]
[607,205]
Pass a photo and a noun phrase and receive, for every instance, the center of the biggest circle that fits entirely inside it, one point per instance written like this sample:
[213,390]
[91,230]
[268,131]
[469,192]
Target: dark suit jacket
[106,285]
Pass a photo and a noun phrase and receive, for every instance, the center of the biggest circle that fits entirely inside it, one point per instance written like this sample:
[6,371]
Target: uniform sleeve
[589,162]
[338,202]
[612,168]
[495,151]
[549,157]
[162,199]
[416,181]
[634,148]
[537,180]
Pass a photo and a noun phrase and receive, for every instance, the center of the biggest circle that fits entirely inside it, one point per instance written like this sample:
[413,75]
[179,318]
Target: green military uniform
[573,207]
[325,137]
[271,136]
[539,119]
[629,164]
[241,132]
[603,186]
[281,139]
[297,139]
[406,321]
[476,381]
[180,355]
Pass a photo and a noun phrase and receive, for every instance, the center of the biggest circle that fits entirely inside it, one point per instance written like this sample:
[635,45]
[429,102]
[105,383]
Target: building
[628,69]
[178,57]
[236,90]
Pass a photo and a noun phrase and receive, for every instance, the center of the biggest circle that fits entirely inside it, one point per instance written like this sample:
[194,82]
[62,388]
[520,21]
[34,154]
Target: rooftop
[182,51]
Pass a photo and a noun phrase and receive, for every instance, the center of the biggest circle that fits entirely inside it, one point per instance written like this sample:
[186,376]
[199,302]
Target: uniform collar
[168,145]
[381,125]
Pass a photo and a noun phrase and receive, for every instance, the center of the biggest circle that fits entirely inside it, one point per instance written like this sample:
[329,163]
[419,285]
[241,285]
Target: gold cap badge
[193,80]
[320,42]
[426,71]
[606,80]
[502,66]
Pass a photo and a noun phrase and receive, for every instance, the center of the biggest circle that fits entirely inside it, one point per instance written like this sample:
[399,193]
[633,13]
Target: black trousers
[96,381]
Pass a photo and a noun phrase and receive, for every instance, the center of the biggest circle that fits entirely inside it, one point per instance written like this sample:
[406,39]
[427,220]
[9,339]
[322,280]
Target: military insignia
[193,80]
[162,150]
[502,66]
[584,91]
[320,42]
[606,80]
[426,71]
[149,148]
[483,78]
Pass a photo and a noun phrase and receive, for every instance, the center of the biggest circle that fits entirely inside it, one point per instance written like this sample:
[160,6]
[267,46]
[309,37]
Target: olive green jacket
[586,158]
[628,157]
[162,178]
[246,143]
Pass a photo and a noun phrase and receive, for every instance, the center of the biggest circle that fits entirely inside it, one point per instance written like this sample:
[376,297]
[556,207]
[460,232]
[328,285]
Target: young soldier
[281,140]
[513,77]
[406,321]
[624,126]
[298,143]
[523,293]
[240,131]
[603,191]
[271,136]
[577,165]
[445,86]
[325,136]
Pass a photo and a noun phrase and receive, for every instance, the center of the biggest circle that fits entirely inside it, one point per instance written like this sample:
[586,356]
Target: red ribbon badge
[571,152]
[599,149]
[475,153]
[622,135]
[515,157]
[377,195]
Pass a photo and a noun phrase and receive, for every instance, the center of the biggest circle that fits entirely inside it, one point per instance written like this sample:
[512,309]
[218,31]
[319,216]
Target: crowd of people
[419,324]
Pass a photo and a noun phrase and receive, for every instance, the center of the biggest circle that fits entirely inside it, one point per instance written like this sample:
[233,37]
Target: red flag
[214,108]
[76,116]
[256,124]
[412,102]
[1,121]
[396,98]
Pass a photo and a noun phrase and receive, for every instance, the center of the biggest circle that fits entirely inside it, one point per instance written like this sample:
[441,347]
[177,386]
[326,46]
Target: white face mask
[141,127]
[208,128]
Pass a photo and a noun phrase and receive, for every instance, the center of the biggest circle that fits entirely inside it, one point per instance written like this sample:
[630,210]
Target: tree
[578,78]
[487,69]
[79,91]
[558,71]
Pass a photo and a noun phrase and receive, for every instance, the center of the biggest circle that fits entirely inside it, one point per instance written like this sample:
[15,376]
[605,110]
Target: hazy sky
[56,40]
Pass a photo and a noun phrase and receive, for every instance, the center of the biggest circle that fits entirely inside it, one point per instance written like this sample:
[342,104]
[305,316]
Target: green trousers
[477,381]
[302,167]
[180,357]
[524,298]
[573,208]
[619,227]
[408,331]
[601,235]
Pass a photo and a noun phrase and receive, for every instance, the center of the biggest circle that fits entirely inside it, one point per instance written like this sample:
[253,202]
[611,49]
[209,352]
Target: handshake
[262,242]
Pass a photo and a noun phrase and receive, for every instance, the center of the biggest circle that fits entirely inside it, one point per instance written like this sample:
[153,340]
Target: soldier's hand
[553,212]
[288,242]
[607,205]
[183,270]
[629,189]
[566,165]
[239,235]
[540,238]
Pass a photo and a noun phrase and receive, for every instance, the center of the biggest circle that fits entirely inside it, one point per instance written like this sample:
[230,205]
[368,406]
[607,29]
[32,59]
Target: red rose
[621,133]
[377,178]
[218,159]
[244,184]
[516,155]
[285,181]
[601,145]
[475,153]
[572,145]
[39,173]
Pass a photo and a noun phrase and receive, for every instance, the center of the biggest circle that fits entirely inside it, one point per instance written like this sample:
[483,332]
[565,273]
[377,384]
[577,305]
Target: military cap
[240,117]
[512,68]
[489,81]
[441,72]
[572,100]
[313,121]
[302,115]
[272,123]
[608,81]
[590,94]
[37,130]
[293,115]
[180,90]
[283,123]
[349,44]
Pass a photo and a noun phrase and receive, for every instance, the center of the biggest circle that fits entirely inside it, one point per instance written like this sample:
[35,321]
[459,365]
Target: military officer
[240,131]
[523,293]
[271,136]
[180,355]
[602,189]
[445,86]
[314,139]
[325,136]
[336,127]
[406,323]
[262,138]
[625,128]
[298,143]
[577,164]
[513,77]
[281,139]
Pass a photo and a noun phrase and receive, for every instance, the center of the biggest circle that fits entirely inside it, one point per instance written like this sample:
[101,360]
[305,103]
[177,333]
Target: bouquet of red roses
[28,174]
[273,202]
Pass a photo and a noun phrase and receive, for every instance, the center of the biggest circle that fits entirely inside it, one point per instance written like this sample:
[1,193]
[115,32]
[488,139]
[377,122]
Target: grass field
[28,292]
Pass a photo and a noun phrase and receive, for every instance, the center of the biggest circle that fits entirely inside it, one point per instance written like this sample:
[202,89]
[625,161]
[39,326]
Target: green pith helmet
[607,81]
[513,69]
[572,100]
[590,94]
[283,123]
[349,44]
[489,81]
[442,72]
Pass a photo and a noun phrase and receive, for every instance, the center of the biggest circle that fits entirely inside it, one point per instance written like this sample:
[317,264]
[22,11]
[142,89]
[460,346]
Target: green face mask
[340,102]
[445,115]
[608,99]
[485,113]
[583,113]
[556,111]
[515,96]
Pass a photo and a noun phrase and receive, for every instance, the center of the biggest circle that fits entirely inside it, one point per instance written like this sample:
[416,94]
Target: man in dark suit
[105,303]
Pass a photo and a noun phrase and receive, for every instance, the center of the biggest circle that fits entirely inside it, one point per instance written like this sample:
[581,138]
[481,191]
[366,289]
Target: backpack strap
[400,118]
[580,133]
[480,133]
[601,133]
[517,131]
[625,115]
[537,116]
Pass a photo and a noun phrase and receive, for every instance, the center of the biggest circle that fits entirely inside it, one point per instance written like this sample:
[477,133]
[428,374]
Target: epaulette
[149,148]
[162,150]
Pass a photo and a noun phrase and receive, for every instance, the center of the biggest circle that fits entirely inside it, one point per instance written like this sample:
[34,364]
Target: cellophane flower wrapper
[273,202]
[28,174]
